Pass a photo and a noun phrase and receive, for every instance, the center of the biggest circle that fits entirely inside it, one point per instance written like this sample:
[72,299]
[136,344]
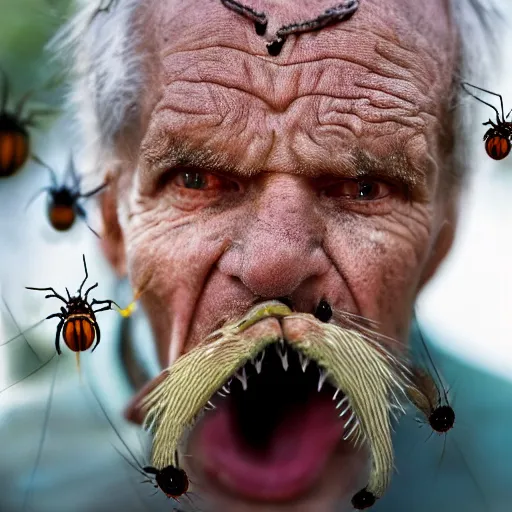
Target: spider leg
[53,176]
[80,211]
[55,315]
[43,436]
[83,215]
[29,375]
[51,296]
[36,195]
[189,496]
[92,231]
[57,337]
[106,308]
[508,115]
[442,453]
[94,191]
[72,171]
[109,302]
[98,336]
[22,333]
[30,119]
[87,292]
[86,276]
[489,92]
[21,104]
[431,434]
[55,294]
[464,84]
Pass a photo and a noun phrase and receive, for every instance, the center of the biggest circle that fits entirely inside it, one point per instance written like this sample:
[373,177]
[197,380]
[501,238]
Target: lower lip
[291,465]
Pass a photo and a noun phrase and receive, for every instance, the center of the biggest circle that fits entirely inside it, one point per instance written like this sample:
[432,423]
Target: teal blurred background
[465,311]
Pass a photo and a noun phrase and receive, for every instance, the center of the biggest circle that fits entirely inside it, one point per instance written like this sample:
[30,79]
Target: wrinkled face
[316,174]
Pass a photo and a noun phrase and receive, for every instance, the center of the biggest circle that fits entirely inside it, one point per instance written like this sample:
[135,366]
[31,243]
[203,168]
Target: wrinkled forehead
[183,23]
[391,63]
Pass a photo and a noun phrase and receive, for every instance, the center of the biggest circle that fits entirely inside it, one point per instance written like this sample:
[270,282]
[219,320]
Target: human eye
[192,180]
[358,190]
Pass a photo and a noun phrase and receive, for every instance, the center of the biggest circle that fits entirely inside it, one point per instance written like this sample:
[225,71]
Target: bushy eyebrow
[396,166]
[357,164]
[178,152]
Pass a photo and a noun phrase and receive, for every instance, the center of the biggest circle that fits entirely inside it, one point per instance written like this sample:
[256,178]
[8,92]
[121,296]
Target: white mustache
[370,377]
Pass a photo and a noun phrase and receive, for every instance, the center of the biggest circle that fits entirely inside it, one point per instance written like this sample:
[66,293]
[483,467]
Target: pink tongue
[290,464]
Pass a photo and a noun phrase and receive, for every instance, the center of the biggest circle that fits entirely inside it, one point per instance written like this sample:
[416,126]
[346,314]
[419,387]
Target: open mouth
[274,427]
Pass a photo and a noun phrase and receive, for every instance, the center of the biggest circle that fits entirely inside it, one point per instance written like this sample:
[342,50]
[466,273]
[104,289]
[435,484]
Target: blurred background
[466,309]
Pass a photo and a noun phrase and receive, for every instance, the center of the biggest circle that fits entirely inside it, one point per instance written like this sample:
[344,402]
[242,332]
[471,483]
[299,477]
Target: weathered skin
[280,142]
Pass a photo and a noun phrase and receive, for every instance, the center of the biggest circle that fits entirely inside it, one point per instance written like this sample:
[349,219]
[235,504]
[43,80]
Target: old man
[296,151]
[274,150]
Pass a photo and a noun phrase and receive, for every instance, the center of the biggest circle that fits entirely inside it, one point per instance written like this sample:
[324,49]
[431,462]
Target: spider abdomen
[61,216]
[172,481]
[497,147]
[79,332]
[442,418]
[14,149]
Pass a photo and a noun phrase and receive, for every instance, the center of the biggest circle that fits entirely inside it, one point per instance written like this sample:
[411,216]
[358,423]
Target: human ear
[112,241]
[442,244]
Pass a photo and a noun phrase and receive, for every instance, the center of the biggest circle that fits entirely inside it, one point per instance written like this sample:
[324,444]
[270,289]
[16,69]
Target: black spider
[77,320]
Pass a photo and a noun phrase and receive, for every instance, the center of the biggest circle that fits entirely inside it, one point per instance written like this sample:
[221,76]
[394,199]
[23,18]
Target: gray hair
[106,68]
[108,73]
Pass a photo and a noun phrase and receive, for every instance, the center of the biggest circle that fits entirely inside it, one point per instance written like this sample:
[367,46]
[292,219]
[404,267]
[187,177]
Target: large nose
[279,242]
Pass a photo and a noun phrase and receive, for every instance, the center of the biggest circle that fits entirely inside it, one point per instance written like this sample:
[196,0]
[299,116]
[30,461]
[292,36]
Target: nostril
[323,311]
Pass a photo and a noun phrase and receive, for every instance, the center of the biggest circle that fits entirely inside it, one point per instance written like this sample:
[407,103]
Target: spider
[77,320]
[63,206]
[171,480]
[14,137]
[498,139]
[363,499]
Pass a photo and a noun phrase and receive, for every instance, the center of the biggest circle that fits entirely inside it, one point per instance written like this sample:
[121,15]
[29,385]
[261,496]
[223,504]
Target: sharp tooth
[343,401]
[283,355]
[258,362]
[350,420]
[221,394]
[304,361]
[335,394]
[242,378]
[209,406]
[345,411]
[321,380]
[352,430]
[225,389]
[281,342]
